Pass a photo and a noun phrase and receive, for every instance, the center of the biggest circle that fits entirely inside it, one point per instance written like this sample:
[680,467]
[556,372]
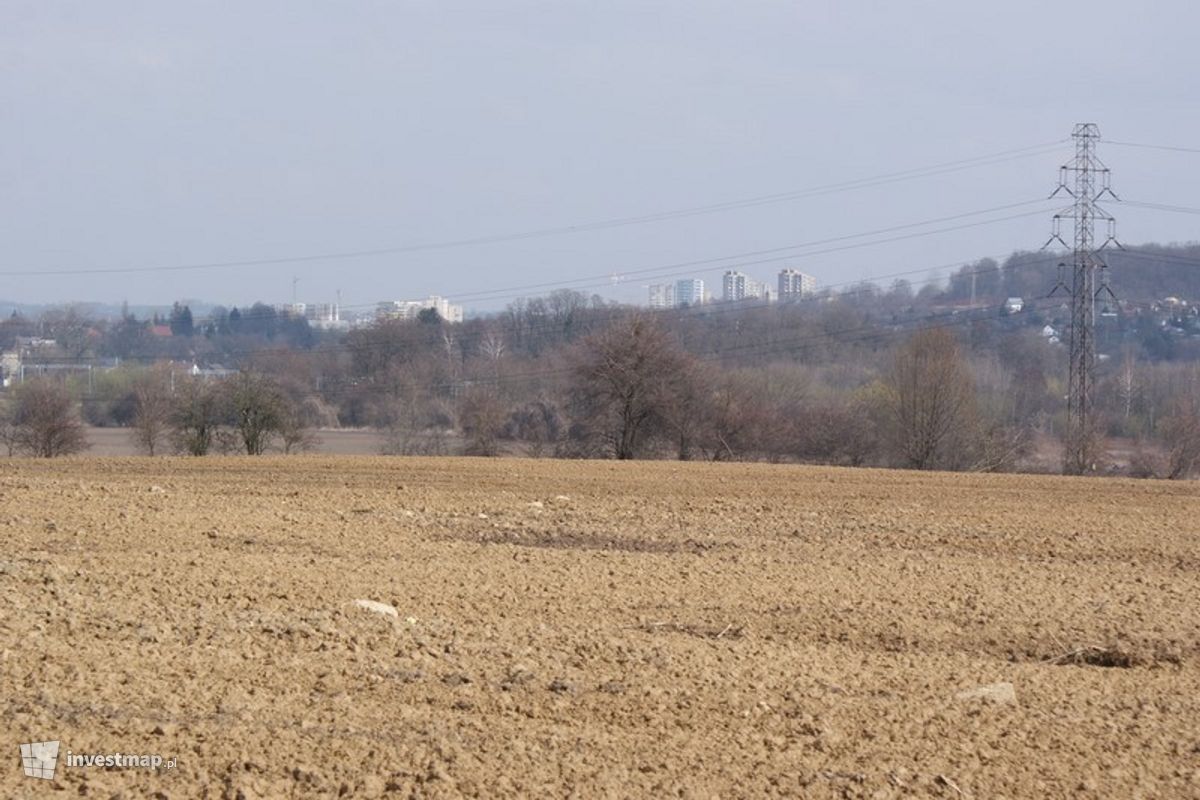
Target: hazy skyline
[159,135]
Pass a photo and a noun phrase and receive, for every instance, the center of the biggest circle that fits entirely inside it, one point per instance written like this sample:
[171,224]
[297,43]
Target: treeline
[246,412]
[222,334]
[896,377]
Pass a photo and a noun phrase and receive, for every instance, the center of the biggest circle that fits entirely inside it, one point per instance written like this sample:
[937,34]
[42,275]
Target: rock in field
[377,607]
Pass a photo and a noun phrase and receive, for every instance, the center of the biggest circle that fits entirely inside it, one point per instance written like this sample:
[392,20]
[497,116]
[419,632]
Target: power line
[893,177]
[740,258]
[680,268]
[1154,146]
[1161,207]
[1151,255]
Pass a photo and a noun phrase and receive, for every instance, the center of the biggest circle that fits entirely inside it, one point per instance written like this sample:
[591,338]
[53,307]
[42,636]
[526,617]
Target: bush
[45,421]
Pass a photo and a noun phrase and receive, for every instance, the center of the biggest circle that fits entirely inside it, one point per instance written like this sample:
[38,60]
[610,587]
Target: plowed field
[596,629]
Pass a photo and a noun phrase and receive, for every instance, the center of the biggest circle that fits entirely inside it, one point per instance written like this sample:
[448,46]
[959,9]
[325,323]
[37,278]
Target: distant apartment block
[740,286]
[327,316]
[733,286]
[794,284]
[662,295]
[689,292]
[410,309]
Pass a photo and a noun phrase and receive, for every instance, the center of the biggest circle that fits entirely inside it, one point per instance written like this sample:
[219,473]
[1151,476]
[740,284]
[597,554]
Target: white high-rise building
[794,284]
[323,315]
[689,292]
[740,286]
[733,286]
[662,295]
[411,309]
[446,310]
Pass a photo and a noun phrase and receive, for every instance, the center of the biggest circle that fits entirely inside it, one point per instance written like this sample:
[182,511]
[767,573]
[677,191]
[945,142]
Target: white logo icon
[39,759]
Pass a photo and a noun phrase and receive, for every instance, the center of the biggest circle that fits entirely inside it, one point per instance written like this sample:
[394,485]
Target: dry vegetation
[599,628]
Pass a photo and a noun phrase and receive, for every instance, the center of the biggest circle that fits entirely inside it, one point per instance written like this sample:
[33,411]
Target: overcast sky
[159,134]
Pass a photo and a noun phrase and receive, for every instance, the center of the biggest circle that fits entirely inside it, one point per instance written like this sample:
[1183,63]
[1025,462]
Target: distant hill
[1137,273]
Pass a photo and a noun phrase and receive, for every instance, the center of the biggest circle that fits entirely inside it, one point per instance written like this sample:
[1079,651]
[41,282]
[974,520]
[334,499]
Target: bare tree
[46,421]
[258,407]
[537,425]
[720,415]
[624,378]
[491,346]
[835,433]
[196,416]
[153,406]
[295,435]
[482,420]
[686,412]
[8,427]
[1181,431]
[69,328]
[1128,387]
[492,349]
[931,397]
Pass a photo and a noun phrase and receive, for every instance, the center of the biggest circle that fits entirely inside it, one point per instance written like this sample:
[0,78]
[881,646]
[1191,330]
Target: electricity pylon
[1089,284]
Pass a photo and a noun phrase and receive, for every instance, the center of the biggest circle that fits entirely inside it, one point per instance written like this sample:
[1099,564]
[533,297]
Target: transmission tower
[1086,180]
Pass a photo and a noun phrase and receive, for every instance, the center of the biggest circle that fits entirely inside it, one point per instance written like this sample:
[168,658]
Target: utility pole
[1086,179]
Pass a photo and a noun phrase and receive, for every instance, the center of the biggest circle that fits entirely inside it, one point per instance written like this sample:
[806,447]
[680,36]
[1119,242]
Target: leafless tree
[538,425]
[491,346]
[835,433]
[689,409]
[46,421]
[731,421]
[301,418]
[69,328]
[1181,431]
[1128,387]
[1000,448]
[258,407]
[624,379]
[152,411]
[197,414]
[931,397]
[482,418]
[8,427]
[295,435]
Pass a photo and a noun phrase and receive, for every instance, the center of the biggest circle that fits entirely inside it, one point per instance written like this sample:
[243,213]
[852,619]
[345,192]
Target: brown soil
[597,629]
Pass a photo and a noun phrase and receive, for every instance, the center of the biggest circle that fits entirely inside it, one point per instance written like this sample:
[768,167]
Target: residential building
[662,295]
[733,286]
[689,292]
[326,316]
[410,309]
[794,284]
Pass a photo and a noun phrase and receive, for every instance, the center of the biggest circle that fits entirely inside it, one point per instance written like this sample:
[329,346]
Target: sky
[372,141]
